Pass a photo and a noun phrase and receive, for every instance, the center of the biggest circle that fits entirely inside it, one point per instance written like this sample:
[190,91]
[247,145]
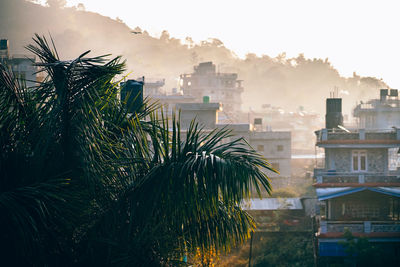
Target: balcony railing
[357,134]
[331,176]
[359,227]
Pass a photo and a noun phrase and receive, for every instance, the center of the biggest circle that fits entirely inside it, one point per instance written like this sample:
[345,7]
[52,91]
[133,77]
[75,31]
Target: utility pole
[251,246]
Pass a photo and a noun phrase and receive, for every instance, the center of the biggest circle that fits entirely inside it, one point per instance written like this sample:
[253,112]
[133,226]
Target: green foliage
[287,192]
[361,252]
[274,249]
[83,183]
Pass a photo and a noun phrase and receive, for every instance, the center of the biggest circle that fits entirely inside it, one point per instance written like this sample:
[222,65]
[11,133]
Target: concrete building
[206,114]
[356,187]
[382,113]
[274,146]
[301,123]
[281,214]
[153,87]
[22,65]
[219,87]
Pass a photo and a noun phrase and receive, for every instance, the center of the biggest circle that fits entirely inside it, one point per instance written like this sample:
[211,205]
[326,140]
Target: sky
[355,35]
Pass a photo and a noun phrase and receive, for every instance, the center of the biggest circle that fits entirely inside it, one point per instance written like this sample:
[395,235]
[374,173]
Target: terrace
[324,176]
[331,228]
[358,137]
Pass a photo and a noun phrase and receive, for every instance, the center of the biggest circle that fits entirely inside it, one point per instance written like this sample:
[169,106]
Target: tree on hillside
[83,183]
[56,3]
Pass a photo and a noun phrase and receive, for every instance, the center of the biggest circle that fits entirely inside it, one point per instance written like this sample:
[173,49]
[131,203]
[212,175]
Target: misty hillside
[280,81]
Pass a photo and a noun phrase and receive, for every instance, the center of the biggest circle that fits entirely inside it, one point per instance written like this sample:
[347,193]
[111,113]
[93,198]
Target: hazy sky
[356,35]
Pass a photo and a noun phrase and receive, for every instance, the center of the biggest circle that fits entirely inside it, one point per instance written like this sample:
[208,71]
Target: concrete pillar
[367,227]
[324,227]
[324,134]
[361,178]
[361,134]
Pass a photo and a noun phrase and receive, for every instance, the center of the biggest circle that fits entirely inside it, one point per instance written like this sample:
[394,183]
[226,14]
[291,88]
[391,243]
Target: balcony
[324,176]
[366,227]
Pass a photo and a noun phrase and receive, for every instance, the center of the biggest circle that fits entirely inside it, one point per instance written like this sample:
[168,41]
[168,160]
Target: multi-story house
[223,88]
[21,65]
[382,113]
[275,146]
[357,188]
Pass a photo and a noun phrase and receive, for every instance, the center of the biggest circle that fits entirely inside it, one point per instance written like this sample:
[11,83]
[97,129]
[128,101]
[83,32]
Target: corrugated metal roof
[328,193]
[273,204]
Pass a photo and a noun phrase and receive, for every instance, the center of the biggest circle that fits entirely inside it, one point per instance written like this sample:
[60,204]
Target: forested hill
[281,81]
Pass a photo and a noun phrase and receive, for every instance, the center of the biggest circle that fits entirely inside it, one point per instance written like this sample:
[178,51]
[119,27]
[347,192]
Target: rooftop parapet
[268,135]
[199,106]
[358,137]
[359,228]
[332,178]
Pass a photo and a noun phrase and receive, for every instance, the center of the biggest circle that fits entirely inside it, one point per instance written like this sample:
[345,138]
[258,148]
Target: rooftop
[199,106]
[273,204]
[358,137]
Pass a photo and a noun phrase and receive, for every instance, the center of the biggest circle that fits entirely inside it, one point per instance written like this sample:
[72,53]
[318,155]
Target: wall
[339,159]
[205,114]
[272,142]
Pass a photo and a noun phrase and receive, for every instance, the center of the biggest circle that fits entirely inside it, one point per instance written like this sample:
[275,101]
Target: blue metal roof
[328,193]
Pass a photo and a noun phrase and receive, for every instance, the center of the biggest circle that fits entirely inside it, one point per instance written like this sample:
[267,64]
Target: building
[206,114]
[356,187]
[301,123]
[224,88]
[281,214]
[382,113]
[274,146]
[22,65]
[153,87]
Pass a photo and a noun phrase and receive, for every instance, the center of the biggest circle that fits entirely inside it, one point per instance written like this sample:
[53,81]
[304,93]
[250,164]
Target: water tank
[206,99]
[333,117]
[3,44]
[132,95]
[384,94]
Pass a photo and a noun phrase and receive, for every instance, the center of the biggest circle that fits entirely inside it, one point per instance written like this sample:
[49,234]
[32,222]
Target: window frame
[359,154]
[260,150]
[276,166]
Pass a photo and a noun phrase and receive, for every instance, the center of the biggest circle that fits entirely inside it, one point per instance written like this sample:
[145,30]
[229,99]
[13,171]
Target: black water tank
[3,44]
[132,95]
[384,93]
[333,116]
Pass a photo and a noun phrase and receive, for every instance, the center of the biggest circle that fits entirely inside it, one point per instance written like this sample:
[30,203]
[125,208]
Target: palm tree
[83,183]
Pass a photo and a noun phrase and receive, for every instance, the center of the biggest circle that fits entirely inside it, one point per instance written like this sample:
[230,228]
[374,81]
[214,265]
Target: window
[279,147]
[359,161]
[394,159]
[356,210]
[260,148]
[275,166]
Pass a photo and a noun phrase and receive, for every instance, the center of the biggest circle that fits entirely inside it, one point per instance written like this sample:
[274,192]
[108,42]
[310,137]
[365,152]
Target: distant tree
[273,249]
[56,3]
[81,7]
[284,192]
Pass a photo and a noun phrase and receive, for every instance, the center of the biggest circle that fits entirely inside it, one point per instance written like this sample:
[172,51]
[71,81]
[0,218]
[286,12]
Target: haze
[356,36]
[335,39]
